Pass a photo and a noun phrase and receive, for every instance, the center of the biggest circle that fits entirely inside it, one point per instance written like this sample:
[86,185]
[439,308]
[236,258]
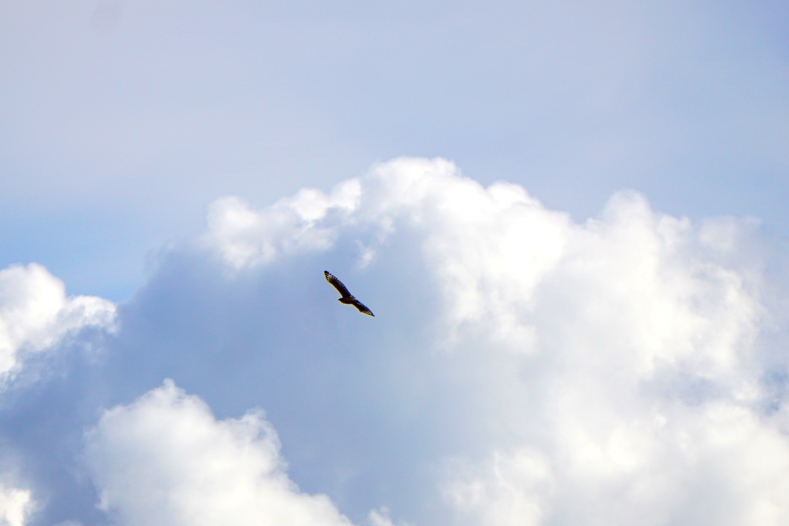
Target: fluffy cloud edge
[36,314]
[165,460]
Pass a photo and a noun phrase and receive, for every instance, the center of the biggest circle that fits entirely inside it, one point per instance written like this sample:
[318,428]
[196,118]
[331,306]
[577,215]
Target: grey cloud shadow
[43,414]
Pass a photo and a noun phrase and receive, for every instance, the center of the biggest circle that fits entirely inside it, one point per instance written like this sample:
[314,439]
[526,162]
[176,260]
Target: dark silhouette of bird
[347,297]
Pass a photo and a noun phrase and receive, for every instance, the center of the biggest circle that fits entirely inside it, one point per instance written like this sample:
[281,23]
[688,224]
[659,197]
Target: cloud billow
[36,314]
[164,460]
[522,368]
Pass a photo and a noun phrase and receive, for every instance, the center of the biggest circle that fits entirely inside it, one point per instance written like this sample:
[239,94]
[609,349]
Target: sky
[568,218]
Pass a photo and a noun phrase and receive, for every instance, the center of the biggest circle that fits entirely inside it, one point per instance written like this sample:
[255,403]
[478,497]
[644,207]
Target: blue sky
[123,120]
[569,219]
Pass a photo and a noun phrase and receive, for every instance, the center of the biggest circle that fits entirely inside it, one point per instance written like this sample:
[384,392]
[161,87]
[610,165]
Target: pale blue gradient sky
[120,121]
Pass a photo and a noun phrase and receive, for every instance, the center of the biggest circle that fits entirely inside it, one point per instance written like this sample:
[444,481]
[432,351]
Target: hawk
[347,297]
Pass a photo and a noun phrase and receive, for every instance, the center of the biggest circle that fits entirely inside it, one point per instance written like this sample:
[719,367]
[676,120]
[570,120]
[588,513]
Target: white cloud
[717,464]
[35,312]
[165,460]
[15,505]
[615,364]
[523,368]
[514,489]
[246,237]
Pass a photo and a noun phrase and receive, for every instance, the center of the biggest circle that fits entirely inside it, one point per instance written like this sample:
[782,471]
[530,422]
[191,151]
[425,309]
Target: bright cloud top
[496,249]
[247,237]
[35,312]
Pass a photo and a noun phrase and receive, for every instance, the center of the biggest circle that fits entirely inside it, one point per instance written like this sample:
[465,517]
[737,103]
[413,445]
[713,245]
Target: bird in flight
[347,297]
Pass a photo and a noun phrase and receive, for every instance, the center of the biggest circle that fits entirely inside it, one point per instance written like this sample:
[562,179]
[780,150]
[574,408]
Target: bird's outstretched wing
[337,284]
[358,304]
[347,297]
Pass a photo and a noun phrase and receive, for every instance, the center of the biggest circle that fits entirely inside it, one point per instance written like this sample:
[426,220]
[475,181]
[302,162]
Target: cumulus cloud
[617,362]
[165,460]
[35,312]
[247,237]
[523,368]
